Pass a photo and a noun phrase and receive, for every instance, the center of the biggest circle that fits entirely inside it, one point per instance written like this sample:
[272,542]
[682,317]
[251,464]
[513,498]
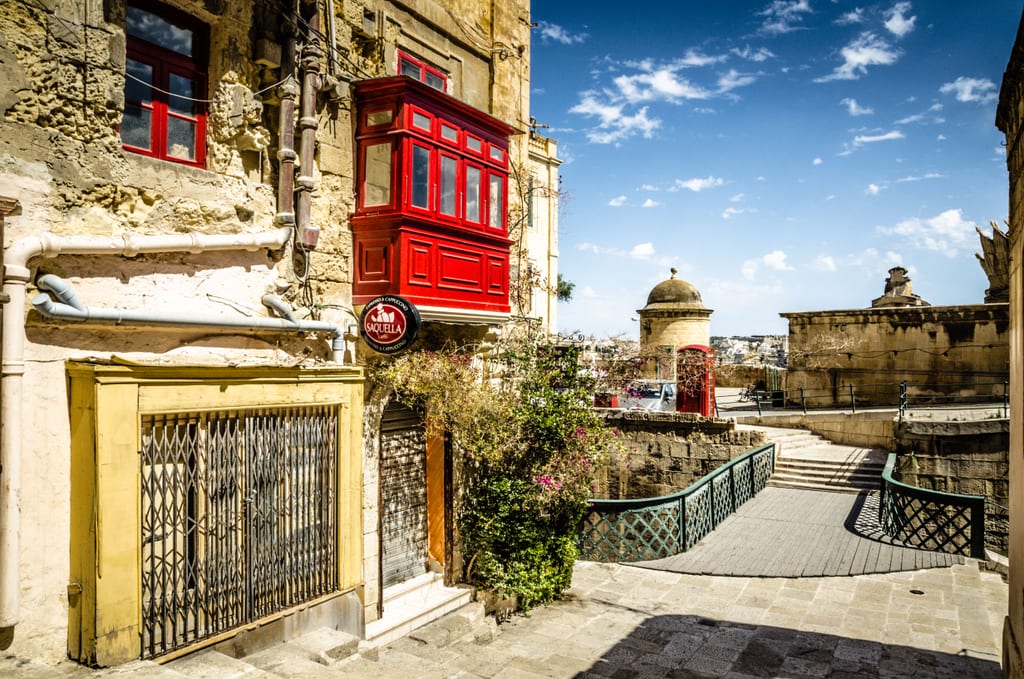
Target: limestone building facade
[1010,121]
[198,197]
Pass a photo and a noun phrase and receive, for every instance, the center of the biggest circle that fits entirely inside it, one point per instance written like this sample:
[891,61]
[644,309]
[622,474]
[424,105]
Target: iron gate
[238,518]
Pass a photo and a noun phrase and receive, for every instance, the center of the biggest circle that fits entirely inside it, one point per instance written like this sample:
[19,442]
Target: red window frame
[165,64]
[421,70]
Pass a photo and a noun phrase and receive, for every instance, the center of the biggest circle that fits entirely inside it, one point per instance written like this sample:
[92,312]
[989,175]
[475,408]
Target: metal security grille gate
[403,495]
[238,518]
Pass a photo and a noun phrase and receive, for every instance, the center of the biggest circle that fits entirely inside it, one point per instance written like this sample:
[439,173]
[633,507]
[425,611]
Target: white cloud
[916,118]
[981,90]
[944,233]
[738,198]
[941,137]
[855,16]
[776,259]
[663,83]
[613,126]
[756,55]
[698,184]
[817,161]
[782,16]
[749,269]
[617,201]
[824,263]
[649,187]
[589,292]
[644,251]
[873,189]
[872,138]
[918,178]
[867,50]
[730,212]
[556,33]
[650,203]
[855,109]
[733,79]
[897,23]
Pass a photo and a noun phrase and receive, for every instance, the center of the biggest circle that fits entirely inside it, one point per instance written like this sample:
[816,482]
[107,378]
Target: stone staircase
[806,460]
[326,652]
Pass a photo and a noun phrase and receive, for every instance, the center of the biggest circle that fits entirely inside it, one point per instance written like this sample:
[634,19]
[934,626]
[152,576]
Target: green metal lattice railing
[931,519]
[658,527]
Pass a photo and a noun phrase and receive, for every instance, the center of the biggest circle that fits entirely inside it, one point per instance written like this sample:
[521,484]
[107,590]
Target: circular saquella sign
[389,324]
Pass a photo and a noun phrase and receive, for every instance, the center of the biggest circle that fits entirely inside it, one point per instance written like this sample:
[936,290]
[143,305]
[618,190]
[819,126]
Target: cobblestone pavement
[626,622]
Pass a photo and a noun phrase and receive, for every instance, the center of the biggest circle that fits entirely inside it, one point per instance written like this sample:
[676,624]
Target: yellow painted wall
[108,402]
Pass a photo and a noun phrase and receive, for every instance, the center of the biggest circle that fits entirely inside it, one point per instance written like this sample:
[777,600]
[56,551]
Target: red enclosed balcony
[432,202]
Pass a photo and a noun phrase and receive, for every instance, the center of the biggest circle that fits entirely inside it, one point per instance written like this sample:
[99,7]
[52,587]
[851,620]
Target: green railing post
[803,400]
[978,530]
[853,401]
[757,400]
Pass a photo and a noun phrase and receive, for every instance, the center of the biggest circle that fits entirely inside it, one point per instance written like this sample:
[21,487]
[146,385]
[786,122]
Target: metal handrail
[928,518]
[650,528]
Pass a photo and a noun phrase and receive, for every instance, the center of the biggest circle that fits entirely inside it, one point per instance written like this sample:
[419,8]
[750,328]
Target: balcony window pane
[434,81]
[497,201]
[473,144]
[378,118]
[421,121]
[472,194]
[421,177]
[377,186]
[448,181]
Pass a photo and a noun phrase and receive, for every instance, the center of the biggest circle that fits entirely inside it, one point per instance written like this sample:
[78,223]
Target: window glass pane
[136,126]
[449,133]
[408,68]
[159,31]
[421,177]
[181,138]
[497,201]
[377,182]
[421,121]
[378,118]
[448,180]
[137,80]
[185,89]
[497,153]
[472,193]
[435,81]
[473,144]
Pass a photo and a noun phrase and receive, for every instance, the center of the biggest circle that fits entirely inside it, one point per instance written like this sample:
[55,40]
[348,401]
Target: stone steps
[330,653]
[805,460]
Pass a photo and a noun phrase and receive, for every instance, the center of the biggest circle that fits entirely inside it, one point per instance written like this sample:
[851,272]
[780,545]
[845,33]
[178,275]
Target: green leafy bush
[530,446]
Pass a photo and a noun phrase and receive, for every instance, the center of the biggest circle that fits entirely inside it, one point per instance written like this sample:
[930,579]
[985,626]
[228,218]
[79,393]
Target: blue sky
[783,156]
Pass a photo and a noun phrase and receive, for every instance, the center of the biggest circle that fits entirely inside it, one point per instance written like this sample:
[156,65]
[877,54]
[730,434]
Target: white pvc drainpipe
[15,278]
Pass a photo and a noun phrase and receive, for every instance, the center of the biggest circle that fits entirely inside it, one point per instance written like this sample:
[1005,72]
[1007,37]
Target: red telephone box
[695,380]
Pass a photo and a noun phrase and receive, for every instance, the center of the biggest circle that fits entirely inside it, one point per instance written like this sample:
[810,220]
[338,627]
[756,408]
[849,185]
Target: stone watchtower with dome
[674,317]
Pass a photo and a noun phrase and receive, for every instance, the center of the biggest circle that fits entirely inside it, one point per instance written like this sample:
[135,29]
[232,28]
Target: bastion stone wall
[665,452]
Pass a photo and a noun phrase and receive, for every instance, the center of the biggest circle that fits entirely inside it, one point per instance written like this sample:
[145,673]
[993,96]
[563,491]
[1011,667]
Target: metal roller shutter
[403,479]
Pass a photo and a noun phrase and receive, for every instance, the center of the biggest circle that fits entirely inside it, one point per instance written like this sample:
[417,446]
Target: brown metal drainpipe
[307,234]
[286,146]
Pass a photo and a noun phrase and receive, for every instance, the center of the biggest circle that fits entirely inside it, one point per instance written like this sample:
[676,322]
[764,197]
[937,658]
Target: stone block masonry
[663,453]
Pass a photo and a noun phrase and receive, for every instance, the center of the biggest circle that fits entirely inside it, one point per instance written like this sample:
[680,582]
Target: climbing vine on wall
[530,446]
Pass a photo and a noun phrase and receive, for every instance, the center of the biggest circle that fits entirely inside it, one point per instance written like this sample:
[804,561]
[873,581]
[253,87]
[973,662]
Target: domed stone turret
[673,291]
[674,316]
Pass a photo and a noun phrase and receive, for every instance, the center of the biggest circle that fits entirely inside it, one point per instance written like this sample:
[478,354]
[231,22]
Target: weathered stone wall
[1010,121]
[970,458]
[954,348]
[666,452]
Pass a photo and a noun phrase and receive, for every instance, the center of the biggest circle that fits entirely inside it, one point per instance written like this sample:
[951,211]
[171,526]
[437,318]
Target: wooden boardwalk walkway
[789,532]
